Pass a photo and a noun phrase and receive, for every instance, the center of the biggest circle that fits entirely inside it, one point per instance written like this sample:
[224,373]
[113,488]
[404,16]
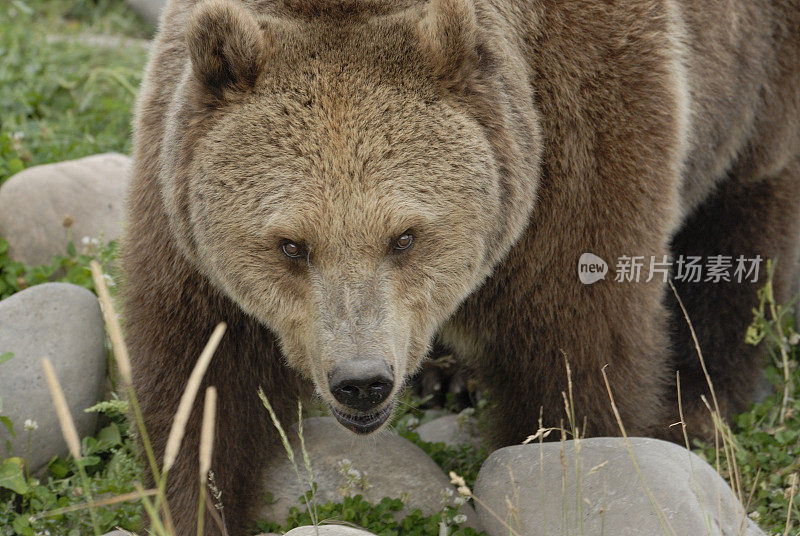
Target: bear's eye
[291,249]
[403,241]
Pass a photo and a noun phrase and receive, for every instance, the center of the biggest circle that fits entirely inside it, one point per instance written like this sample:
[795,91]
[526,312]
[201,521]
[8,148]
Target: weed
[63,99]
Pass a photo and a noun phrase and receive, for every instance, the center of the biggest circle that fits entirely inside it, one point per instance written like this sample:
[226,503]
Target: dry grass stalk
[312,504]
[206,448]
[70,433]
[787,378]
[156,524]
[721,429]
[62,410]
[122,359]
[207,433]
[682,424]
[132,496]
[662,518]
[187,398]
[743,523]
[792,492]
[696,343]
[212,508]
[112,323]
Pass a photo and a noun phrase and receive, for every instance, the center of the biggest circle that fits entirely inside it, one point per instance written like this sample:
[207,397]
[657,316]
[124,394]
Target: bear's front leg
[245,439]
[164,352]
[528,342]
[537,311]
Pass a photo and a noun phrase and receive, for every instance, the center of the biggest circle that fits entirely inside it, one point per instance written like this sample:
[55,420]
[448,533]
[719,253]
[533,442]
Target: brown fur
[510,137]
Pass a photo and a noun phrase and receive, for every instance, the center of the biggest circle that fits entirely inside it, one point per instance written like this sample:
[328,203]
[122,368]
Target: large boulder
[544,489]
[62,322]
[384,465]
[35,202]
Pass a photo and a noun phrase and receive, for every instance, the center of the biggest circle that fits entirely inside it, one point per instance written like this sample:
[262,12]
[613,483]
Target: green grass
[59,98]
[377,518]
[62,99]
[71,267]
[112,465]
[764,463]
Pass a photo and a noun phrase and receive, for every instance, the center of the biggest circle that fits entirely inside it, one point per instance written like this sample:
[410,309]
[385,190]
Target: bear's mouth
[365,423]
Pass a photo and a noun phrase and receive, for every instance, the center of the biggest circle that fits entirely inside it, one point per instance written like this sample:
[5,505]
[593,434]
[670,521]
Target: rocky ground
[592,486]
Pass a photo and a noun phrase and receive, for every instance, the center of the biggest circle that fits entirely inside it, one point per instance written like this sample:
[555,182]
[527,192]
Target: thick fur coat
[507,137]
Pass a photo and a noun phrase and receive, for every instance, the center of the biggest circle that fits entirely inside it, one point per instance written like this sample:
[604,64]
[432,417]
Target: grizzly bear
[344,181]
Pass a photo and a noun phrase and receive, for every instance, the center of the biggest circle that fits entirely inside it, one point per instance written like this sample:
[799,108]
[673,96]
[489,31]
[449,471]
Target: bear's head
[348,172]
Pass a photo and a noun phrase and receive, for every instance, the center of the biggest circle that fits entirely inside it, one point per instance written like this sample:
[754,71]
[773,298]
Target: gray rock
[328,530]
[451,430]
[118,533]
[62,322]
[689,498]
[434,413]
[34,203]
[385,465]
[149,10]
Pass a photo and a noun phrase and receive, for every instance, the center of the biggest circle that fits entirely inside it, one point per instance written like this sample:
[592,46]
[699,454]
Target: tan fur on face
[510,136]
[340,165]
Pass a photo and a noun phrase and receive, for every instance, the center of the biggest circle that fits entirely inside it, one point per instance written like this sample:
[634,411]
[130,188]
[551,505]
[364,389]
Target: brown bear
[342,181]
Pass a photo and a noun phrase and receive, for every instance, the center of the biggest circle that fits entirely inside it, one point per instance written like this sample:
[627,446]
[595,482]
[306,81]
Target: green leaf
[71,249]
[15,165]
[109,407]
[12,475]
[22,526]
[58,467]
[109,437]
[5,356]
[6,422]
[90,461]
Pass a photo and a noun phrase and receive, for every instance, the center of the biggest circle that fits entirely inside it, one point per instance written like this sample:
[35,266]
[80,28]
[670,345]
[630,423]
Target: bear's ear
[448,33]
[227,47]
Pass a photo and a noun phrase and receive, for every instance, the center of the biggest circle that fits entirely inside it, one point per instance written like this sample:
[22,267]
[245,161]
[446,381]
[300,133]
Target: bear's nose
[361,384]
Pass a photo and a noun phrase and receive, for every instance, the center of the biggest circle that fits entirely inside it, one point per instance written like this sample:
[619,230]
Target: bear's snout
[361,384]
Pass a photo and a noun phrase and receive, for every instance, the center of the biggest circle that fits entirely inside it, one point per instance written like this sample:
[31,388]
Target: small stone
[328,530]
[62,322]
[43,207]
[433,413]
[344,464]
[452,430]
[522,485]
